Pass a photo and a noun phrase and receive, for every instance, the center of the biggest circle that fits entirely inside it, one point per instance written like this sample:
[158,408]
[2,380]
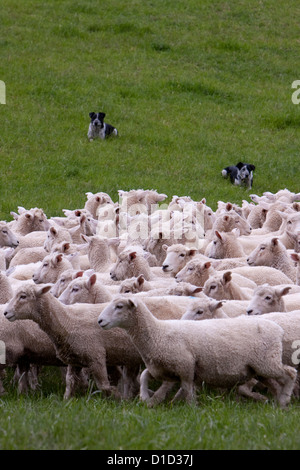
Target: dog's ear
[240,165]
[102,116]
[92,115]
[251,167]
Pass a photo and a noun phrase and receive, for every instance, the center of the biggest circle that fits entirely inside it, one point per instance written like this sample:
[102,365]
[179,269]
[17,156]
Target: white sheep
[221,287]
[225,245]
[74,333]
[182,350]
[7,237]
[267,299]
[29,221]
[274,254]
[51,268]
[177,256]
[85,290]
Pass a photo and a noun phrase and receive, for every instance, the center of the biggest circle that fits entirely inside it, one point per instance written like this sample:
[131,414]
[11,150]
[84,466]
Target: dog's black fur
[241,174]
[99,128]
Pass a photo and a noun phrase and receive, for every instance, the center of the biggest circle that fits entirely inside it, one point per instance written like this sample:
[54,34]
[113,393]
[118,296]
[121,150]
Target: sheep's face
[202,310]
[7,238]
[264,254]
[194,272]
[117,314]
[176,259]
[267,299]
[51,268]
[23,305]
[76,292]
[214,288]
[132,285]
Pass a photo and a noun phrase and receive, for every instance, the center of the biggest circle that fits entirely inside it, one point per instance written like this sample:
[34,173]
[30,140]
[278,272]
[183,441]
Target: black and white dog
[240,174]
[99,128]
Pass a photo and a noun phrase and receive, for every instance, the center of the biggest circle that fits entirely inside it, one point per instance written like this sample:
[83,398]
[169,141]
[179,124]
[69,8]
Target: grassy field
[192,87]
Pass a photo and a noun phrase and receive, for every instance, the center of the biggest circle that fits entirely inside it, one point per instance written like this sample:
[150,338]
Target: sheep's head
[7,237]
[79,290]
[132,285]
[23,305]
[119,313]
[202,309]
[176,257]
[216,286]
[195,272]
[51,268]
[265,253]
[267,299]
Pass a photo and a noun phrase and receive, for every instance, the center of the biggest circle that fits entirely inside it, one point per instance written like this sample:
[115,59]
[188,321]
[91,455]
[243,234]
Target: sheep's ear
[92,280]
[58,258]
[165,247]
[225,217]
[15,215]
[228,206]
[132,303]
[43,290]
[28,216]
[85,238]
[192,252]
[132,256]
[65,246]
[53,230]
[218,234]
[78,274]
[282,291]
[227,276]
[214,305]
[295,257]
[207,265]
[196,290]
[141,279]
[274,242]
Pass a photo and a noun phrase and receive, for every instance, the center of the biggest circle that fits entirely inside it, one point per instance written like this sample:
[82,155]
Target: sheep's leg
[246,391]
[130,382]
[21,377]
[72,380]
[161,393]
[287,381]
[100,375]
[33,376]
[186,392]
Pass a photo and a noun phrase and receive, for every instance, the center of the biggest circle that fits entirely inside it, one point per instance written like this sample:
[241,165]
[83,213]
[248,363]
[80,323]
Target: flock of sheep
[114,292]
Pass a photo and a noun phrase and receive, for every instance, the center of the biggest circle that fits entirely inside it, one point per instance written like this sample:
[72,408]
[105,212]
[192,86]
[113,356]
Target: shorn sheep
[221,353]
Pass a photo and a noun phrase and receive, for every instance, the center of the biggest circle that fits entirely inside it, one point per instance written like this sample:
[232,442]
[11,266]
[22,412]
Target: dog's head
[97,119]
[245,170]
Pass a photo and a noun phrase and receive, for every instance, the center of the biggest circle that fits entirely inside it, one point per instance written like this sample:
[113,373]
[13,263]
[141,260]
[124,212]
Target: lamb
[225,245]
[99,252]
[51,268]
[273,253]
[204,309]
[197,272]
[95,201]
[229,220]
[173,350]
[132,264]
[25,344]
[85,290]
[222,286]
[55,235]
[176,257]
[7,237]
[74,333]
[270,299]
[29,221]
[64,280]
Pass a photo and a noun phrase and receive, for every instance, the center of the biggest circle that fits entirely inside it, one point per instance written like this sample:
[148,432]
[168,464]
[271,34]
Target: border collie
[240,174]
[99,128]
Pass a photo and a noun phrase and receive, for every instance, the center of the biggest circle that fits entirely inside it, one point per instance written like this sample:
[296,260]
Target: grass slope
[192,87]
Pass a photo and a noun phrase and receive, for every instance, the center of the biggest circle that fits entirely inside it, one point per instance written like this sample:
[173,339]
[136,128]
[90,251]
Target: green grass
[192,87]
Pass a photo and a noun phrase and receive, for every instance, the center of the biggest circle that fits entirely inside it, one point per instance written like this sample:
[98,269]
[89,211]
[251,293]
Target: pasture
[191,87]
